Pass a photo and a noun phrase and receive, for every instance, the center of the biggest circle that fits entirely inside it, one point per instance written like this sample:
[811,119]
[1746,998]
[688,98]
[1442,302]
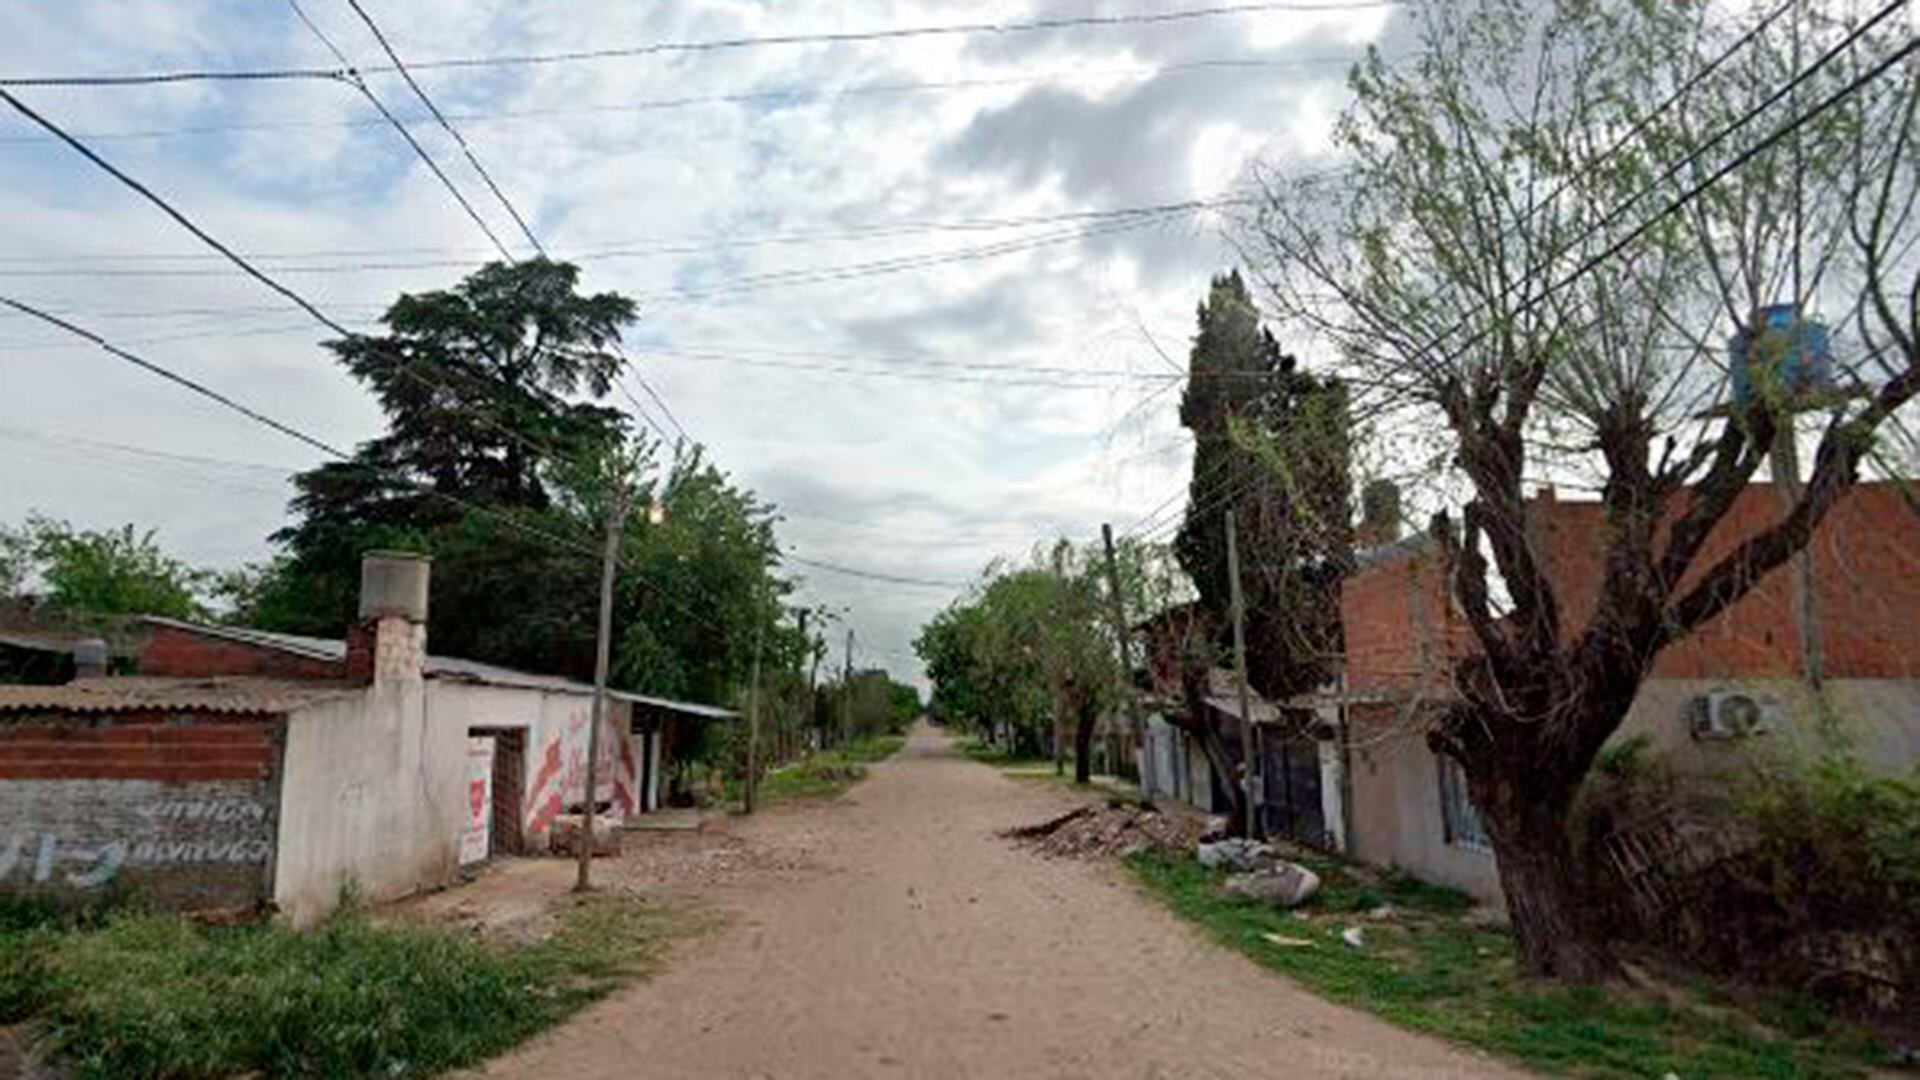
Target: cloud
[727,214]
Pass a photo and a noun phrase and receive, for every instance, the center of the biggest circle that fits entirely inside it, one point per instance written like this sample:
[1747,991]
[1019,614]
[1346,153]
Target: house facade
[1789,664]
[243,769]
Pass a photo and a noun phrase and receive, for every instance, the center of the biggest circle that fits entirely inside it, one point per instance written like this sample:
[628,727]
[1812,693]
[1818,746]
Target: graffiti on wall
[225,831]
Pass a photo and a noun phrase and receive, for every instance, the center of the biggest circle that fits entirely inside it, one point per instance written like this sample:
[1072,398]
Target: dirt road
[891,934]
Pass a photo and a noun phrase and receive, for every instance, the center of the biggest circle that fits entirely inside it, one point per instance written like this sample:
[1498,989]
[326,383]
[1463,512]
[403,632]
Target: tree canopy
[1552,221]
[1270,445]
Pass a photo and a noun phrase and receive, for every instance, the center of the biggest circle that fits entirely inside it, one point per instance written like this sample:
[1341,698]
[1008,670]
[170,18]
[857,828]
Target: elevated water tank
[394,583]
[1781,352]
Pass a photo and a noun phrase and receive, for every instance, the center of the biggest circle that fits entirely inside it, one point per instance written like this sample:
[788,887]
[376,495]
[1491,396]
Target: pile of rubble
[1115,830]
[1257,872]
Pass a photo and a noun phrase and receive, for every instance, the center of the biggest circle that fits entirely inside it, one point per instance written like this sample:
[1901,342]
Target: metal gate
[1290,776]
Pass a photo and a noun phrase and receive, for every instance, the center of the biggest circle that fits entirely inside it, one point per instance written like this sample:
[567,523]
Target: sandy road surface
[891,934]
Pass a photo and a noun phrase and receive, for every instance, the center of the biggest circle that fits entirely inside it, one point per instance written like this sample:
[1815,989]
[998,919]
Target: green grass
[1428,969]
[157,996]
[827,773]
[987,754]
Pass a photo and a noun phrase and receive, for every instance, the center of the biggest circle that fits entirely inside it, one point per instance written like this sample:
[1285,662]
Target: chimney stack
[389,642]
[1379,514]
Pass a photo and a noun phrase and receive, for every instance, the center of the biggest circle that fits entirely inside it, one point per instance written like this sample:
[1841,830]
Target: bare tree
[1553,222]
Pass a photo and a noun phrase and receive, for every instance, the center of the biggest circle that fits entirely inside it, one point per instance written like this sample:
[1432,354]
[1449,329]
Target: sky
[881,281]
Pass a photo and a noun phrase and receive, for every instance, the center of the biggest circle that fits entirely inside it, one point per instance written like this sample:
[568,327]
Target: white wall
[554,773]
[372,792]
[1878,718]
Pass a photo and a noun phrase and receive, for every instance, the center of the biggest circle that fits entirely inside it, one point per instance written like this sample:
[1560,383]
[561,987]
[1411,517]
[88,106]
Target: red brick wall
[179,810]
[1402,631]
[173,748]
[1866,565]
[1866,574]
[175,652]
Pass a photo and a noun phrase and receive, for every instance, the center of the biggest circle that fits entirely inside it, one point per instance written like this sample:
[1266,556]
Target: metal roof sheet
[223,694]
[440,667]
[313,648]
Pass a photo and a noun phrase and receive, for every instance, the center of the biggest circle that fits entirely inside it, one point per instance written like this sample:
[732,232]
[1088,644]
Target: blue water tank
[1801,348]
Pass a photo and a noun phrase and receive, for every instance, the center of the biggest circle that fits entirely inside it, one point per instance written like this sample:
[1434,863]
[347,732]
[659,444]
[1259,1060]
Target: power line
[163,77]
[438,117]
[170,375]
[870,575]
[907,376]
[799,95]
[905,33]
[629,248]
[406,366]
[1592,262]
[726,44]
[352,78]
[258,417]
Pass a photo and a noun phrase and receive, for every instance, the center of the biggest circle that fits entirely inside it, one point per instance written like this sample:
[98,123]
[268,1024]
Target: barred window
[1457,814]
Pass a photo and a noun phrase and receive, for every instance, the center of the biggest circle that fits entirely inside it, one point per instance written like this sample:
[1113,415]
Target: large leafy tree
[480,386]
[1537,258]
[1033,648]
[91,572]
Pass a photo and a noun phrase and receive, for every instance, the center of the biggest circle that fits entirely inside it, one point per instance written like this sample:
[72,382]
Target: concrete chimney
[89,658]
[389,642]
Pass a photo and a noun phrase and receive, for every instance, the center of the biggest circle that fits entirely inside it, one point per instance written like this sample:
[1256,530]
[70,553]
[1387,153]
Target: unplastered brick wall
[178,809]
[176,652]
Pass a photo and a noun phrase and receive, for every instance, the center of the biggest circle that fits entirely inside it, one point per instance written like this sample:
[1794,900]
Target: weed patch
[158,996]
[829,772]
[1427,968]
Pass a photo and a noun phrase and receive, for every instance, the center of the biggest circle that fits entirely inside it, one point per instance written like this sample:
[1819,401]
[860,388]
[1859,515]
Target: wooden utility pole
[1128,692]
[846,691]
[813,667]
[1249,744]
[603,644]
[752,786]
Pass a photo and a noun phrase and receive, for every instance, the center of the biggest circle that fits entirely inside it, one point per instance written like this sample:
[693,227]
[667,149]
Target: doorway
[505,788]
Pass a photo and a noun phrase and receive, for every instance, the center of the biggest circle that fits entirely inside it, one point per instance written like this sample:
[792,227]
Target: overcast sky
[777,211]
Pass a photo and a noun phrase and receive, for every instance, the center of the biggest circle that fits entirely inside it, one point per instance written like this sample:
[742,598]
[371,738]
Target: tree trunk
[1553,936]
[1224,768]
[1083,746]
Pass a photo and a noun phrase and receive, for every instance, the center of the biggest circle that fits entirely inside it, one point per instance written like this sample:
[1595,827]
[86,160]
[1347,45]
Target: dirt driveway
[891,934]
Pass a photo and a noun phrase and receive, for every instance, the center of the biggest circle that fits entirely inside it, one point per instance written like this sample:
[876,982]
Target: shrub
[1797,872]
[157,996]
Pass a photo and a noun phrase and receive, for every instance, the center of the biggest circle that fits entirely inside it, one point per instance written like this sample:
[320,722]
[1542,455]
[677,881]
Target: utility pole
[1249,743]
[812,667]
[603,643]
[753,723]
[1128,691]
[846,691]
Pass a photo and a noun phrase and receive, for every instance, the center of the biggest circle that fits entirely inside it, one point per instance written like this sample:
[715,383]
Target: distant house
[1174,765]
[43,646]
[243,769]
[1739,678]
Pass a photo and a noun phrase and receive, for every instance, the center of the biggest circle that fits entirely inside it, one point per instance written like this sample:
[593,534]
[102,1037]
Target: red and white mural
[559,770]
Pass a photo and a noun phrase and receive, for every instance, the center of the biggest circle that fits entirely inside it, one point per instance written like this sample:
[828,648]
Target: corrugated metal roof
[1223,693]
[225,694]
[709,712]
[313,648]
[439,667]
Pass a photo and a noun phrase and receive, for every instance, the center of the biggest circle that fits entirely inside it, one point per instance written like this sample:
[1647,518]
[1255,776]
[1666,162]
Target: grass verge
[828,772]
[141,995]
[1429,969]
[988,754]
